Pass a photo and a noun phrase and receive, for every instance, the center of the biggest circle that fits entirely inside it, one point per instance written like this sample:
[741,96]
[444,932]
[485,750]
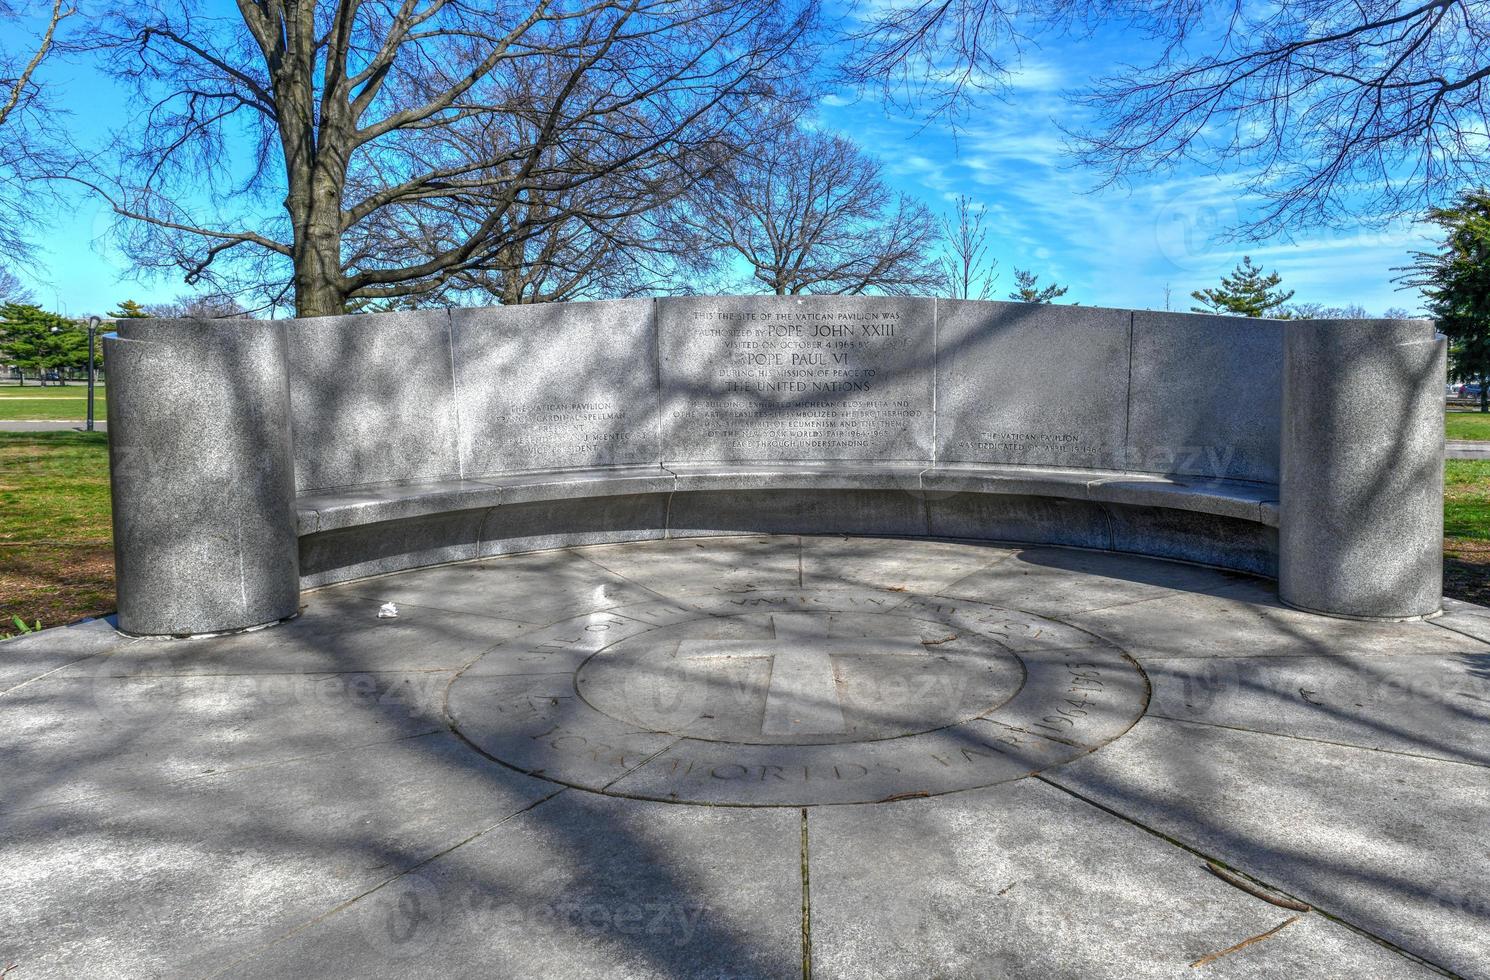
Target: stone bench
[343,447]
[365,531]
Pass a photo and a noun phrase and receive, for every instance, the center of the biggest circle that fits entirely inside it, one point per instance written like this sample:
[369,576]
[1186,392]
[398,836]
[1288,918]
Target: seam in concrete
[1107,524]
[640,765]
[45,674]
[657,367]
[1358,930]
[936,350]
[806,905]
[1320,741]
[1128,393]
[460,455]
[324,674]
[993,563]
[667,507]
[380,886]
[1436,621]
[632,581]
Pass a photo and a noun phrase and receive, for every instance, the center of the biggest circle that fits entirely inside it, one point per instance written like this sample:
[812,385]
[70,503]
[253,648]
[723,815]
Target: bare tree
[968,271]
[24,139]
[808,212]
[1330,109]
[348,100]
[613,235]
[11,290]
[580,258]
[1320,311]
[188,306]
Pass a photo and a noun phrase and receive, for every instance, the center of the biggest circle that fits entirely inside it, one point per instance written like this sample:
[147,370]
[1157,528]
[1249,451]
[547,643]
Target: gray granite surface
[1361,529]
[373,398]
[1030,383]
[1064,742]
[556,386]
[202,476]
[1206,396]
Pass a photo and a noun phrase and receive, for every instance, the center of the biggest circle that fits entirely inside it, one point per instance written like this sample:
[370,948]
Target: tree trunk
[316,151]
[320,288]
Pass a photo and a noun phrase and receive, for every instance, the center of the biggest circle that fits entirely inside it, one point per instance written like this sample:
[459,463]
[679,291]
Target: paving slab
[689,566]
[1431,706]
[905,566]
[1386,842]
[50,425]
[1023,880]
[579,886]
[96,733]
[1059,581]
[24,658]
[1465,617]
[1466,449]
[179,879]
[335,632]
[534,588]
[1246,620]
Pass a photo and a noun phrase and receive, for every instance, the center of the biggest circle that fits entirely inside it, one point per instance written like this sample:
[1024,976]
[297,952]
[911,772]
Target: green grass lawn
[1466,529]
[56,550]
[1466,499]
[34,402]
[1466,425]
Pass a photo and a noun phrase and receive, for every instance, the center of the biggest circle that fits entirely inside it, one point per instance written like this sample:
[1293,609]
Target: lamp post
[93,322]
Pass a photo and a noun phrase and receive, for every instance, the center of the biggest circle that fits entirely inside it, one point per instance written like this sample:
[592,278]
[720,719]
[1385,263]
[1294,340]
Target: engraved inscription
[782,380]
[1067,446]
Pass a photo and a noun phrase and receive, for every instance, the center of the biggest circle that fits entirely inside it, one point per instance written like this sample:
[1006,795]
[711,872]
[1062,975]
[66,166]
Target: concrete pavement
[1038,762]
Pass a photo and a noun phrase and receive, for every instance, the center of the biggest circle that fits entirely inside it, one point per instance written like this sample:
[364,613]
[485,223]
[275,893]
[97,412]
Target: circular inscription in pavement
[796,698]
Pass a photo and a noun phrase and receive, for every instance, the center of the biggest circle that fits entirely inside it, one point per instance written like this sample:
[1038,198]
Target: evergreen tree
[37,341]
[1028,290]
[1455,281]
[129,310]
[1246,292]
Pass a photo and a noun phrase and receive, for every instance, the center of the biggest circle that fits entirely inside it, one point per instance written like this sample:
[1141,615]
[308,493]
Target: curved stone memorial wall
[255,458]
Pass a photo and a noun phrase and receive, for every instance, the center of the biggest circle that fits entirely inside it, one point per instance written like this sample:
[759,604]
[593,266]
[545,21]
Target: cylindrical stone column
[1361,525]
[202,475]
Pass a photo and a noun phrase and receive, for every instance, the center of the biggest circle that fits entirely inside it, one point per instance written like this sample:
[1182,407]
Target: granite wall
[439,395]
[206,474]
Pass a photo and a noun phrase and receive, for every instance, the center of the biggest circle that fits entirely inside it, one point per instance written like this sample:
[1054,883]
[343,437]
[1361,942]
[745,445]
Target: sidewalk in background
[49,426]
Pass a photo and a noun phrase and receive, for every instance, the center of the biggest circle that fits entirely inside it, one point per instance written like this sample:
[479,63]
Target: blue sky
[1119,247]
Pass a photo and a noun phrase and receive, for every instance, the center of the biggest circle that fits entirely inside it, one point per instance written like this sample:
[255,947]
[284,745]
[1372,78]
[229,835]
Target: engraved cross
[802,698]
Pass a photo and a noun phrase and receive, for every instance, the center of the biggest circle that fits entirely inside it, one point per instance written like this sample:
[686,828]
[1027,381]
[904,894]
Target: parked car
[1469,391]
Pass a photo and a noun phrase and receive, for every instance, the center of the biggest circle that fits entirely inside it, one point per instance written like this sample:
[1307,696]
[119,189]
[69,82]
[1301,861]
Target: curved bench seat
[359,531]
[358,506]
